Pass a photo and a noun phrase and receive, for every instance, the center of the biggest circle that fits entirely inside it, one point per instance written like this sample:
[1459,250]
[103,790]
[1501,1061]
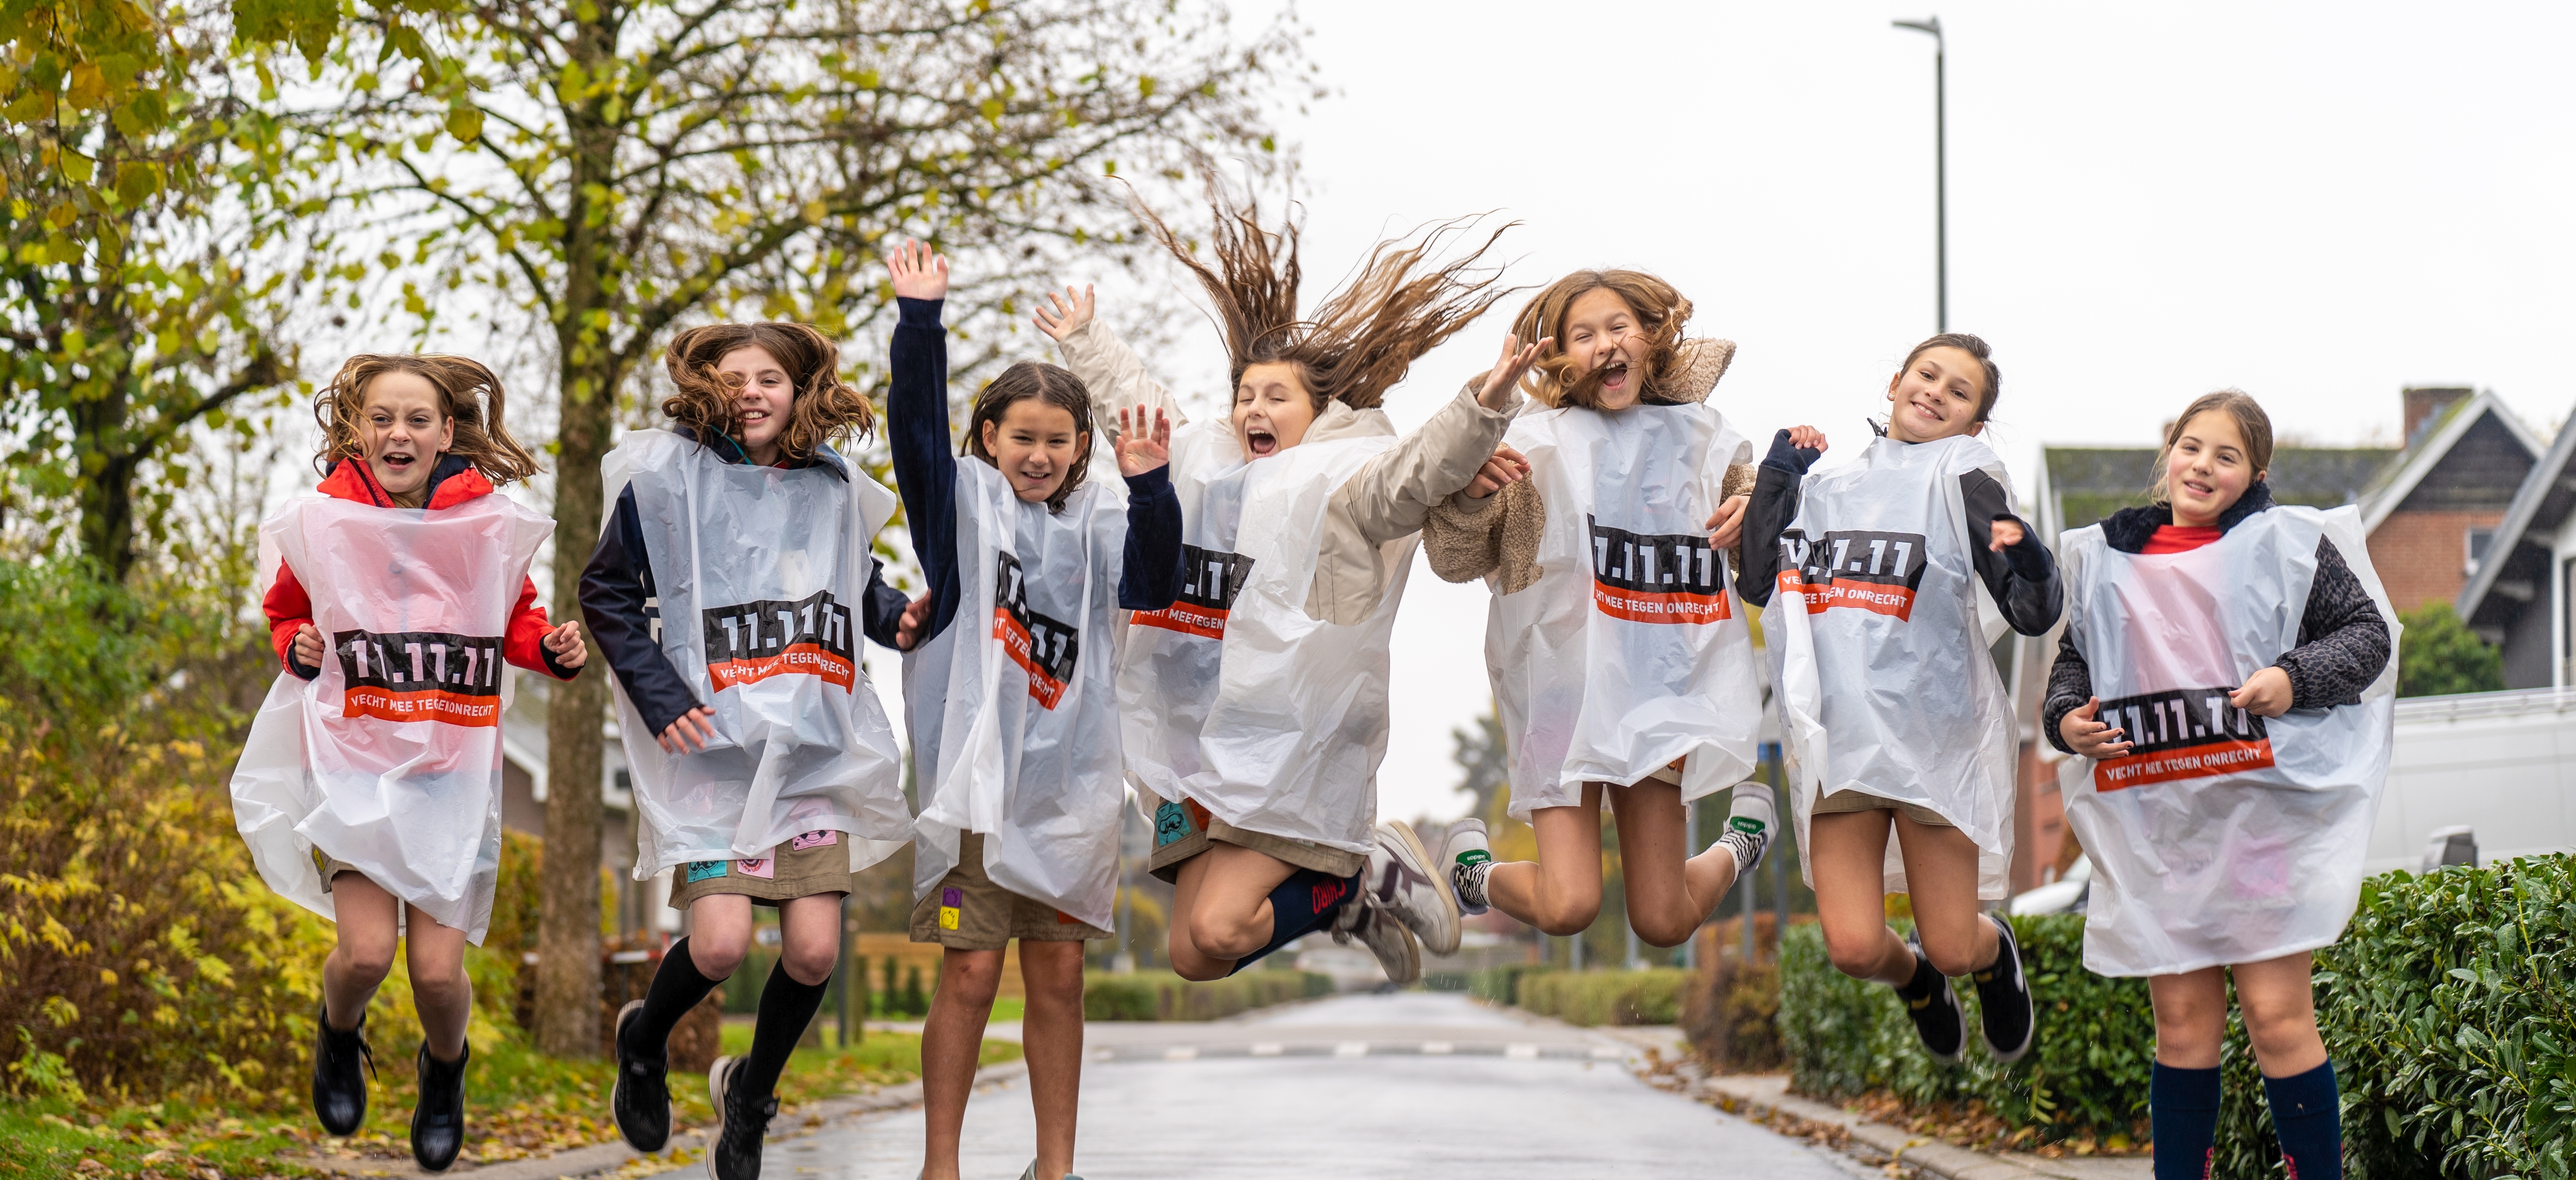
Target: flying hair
[468,393]
[826,409]
[1359,343]
[1661,313]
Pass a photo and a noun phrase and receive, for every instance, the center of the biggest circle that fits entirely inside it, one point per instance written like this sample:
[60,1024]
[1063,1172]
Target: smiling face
[1034,446]
[1601,335]
[1936,397]
[763,398]
[2207,469]
[402,430]
[1271,408]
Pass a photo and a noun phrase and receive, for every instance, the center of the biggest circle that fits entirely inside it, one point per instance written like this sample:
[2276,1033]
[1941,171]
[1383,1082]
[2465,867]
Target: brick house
[2517,592]
[2431,508]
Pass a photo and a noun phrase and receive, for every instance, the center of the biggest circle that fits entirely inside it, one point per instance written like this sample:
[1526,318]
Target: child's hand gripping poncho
[2220,837]
[390,759]
[757,570]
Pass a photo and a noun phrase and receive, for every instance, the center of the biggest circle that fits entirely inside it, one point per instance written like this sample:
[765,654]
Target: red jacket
[289,608]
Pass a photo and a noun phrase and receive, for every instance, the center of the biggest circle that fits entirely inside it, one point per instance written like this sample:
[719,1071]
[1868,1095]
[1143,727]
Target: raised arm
[1102,362]
[1772,506]
[1394,493]
[917,424]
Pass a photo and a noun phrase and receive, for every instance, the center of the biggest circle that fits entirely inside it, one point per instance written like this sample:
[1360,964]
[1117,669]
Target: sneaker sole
[1449,933]
[2028,1034]
[716,1094]
[632,1009]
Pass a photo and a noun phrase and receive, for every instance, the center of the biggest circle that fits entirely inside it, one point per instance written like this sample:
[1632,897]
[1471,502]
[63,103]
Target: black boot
[339,1084]
[438,1123]
[742,1122]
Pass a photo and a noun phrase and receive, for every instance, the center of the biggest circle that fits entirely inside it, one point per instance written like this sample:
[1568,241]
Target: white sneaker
[1404,881]
[1748,825]
[1386,939]
[1466,857]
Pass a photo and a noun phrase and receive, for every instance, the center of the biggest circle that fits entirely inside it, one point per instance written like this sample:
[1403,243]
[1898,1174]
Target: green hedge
[1499,985]
[1650,996]
[1163,996]
[2449,1009]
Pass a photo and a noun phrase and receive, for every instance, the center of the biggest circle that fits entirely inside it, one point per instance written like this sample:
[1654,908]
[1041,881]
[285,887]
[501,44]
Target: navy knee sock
[2182,1106]
[1299,906]
[677,987]
[786,1007]
[2309,1120]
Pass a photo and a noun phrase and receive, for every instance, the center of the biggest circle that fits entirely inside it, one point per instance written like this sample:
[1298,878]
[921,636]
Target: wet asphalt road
[1407,1085]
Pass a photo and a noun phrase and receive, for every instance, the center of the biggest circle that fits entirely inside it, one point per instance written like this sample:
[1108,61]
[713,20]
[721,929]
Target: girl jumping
[1893,575]
[1009,685]
[1256,706]
[1622,668]
[2225,678]
[370,787]
[765,771]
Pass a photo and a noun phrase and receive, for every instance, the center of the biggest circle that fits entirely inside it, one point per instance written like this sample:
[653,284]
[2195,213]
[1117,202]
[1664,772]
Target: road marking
[1521,1052]
[1437,1048]
[1267,1048]
[1181,1053]
[1351,1049]
[1606,1053]
[1104,1055]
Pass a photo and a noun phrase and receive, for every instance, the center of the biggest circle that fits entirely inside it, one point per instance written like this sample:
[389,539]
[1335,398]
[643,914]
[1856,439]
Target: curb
[602,1157]
[1766,1099]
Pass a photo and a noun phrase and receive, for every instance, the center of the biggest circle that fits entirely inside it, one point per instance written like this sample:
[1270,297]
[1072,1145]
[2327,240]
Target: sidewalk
[1765,1098]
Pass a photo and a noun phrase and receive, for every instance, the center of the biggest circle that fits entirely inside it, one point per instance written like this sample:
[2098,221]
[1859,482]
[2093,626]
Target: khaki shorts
[329,867]
[815,862]
[1842,802]
[1182,830]
[968,912]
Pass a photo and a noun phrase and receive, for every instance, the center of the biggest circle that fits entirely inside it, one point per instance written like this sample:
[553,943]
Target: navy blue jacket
[917,427]
[619,603]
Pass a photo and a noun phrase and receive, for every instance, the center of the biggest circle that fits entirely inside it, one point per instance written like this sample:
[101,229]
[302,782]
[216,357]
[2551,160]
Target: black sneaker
[339,1082]
[438,1123]
[641,1100]
[742,1122]
[1934,1005]
[2003,998]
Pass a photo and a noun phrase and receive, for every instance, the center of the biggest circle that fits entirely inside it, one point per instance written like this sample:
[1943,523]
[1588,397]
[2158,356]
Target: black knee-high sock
[2309,1120]
[786,1007]
[2182,1108]
[1300,905]
[676,988]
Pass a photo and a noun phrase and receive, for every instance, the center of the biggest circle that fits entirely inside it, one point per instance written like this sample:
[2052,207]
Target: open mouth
[395,460]
[1615,375]
[1259,441]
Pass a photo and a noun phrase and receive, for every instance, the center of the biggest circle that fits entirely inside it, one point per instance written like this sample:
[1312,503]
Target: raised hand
[2006,532]
[2090,737]
[1066,312]
[1807,438]
[918,272]
[1508,368]
[2265,694]
[1140,450]
[690,733]
[907,630]
[565,642]
[1726,525]
[1507,467]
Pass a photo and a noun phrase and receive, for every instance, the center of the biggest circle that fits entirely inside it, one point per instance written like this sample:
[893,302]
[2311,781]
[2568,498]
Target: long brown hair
[468,393]
[1036,380]
[826,408]
[1661,313]
[2251,422]
[1974,346]
[1361,341]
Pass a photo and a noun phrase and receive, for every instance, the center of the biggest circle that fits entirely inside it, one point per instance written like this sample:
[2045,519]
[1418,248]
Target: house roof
[2084,484]
[2481,421]
[2548,494]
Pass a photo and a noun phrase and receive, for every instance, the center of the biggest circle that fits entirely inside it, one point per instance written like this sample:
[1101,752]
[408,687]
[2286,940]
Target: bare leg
[1560,892]
[1941,877]
[364,917]
[951,1040]
[1221,908]
[1847,853]
[440,989]
[1051,1036]
[2280,1005]
[719,933]
[2191,1017]
[1669,893]
[809,937]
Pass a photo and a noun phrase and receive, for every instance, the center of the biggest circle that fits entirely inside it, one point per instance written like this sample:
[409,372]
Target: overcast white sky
[2317,203]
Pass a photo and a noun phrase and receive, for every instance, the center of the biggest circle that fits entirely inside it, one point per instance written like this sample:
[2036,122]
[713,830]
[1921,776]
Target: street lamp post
[1940,163]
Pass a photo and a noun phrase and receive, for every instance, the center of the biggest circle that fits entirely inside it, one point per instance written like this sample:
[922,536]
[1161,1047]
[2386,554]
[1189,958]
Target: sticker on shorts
[758,866]
[1171,823]
[1064,919]
[948,917]
[700,870]
[949,902]
[822,839]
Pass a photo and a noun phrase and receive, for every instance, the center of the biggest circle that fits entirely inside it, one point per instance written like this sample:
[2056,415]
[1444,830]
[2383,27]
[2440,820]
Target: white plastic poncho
[1013,708]
[1629,651]
[1235,697]
[756,570]
[1880,628]
[390,760]
[2220,837]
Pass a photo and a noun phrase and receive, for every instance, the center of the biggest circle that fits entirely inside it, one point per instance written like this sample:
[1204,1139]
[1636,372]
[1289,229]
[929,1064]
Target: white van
[2500,764]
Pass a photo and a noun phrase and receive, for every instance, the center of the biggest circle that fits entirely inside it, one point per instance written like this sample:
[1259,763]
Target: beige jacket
[1467,539]
[1387,500]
